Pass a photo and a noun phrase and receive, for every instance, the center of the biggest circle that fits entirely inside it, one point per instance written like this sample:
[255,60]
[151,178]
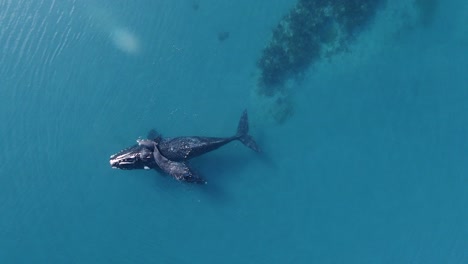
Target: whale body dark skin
[171,154]
[184,148]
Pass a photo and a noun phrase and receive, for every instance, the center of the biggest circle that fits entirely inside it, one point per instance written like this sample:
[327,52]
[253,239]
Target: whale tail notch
[243,133]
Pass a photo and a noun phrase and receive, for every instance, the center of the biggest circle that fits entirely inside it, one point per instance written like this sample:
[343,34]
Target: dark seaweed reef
[311,30]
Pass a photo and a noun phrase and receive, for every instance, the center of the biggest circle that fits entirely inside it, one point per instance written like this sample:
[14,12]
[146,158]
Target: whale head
[135,157]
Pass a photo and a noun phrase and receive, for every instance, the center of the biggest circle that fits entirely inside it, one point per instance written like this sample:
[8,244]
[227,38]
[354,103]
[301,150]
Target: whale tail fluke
[243,133]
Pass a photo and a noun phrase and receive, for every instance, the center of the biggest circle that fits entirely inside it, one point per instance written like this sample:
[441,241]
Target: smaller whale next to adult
[177,169]
[170,155]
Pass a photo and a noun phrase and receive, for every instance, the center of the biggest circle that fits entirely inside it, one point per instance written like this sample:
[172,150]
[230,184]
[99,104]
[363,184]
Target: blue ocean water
[371,168]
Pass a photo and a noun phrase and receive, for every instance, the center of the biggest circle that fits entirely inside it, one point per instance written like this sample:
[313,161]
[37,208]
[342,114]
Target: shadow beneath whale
[218,169]
[221,169]
[212,192]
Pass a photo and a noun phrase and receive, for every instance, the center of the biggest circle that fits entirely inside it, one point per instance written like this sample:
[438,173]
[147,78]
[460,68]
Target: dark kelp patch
[310,31]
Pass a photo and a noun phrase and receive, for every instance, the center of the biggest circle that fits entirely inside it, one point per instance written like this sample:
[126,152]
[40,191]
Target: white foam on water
[125,40]
[106,22]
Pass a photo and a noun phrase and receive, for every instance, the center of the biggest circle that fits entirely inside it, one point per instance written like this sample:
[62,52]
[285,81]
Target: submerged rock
[223,35]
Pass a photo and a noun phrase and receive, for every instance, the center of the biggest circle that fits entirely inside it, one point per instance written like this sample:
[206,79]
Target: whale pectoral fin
[152,134]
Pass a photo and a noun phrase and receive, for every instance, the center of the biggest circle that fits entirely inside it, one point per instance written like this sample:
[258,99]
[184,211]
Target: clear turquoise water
[372,168]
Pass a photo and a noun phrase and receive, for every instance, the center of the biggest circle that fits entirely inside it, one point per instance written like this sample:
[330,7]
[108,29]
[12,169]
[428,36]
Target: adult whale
[161,153]
[184,148]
